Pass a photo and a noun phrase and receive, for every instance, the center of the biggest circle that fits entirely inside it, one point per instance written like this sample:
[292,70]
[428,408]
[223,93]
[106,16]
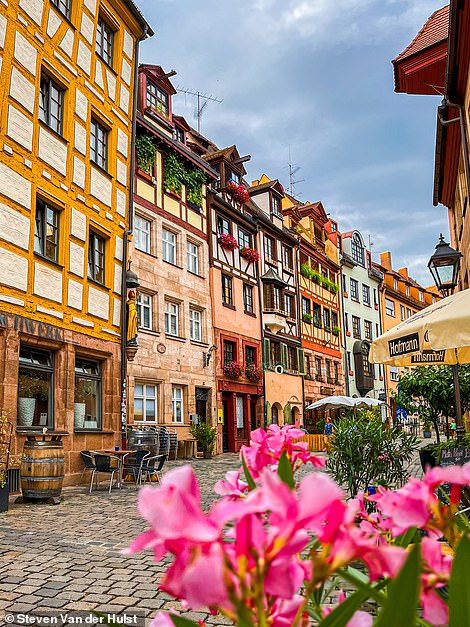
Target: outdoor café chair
[152,466]
[134,461]
[103,464]
[89,464]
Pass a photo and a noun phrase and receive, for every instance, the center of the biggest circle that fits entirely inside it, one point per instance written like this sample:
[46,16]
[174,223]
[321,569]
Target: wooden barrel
[42,469]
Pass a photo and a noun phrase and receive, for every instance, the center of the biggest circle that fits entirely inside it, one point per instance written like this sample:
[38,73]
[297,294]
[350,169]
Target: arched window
[274,415]
[357,249]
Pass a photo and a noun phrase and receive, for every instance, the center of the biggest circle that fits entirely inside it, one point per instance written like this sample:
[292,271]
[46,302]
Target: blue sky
[315,76]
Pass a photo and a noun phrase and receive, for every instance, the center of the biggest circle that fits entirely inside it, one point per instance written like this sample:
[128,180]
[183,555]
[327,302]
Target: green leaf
[400,608]
[284,470]
[406,538]
[340,616]
[459,586]
[249,479]
[180,621]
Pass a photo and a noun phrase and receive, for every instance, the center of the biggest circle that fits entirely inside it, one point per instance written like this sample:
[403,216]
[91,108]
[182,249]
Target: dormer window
[179,135]
[234,176]
[357,249]
[276,206]
[157,99]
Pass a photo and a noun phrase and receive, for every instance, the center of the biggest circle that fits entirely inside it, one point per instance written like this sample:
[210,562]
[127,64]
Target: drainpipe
[260,301]
[126,241]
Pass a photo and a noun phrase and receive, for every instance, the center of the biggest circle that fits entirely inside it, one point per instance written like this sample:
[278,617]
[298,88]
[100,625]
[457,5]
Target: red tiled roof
[433,32]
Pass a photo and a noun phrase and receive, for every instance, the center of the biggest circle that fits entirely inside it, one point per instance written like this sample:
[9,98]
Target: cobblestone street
[66,558]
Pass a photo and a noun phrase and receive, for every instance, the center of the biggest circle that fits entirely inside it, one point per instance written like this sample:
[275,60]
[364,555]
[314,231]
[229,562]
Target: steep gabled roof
[434,31]
[158,73]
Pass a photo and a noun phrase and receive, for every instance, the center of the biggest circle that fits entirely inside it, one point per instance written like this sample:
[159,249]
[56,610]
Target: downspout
[261,304]
[126,241]
[343,316]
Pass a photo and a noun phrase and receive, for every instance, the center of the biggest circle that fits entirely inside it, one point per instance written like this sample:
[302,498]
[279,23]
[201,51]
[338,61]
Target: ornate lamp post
[444,266]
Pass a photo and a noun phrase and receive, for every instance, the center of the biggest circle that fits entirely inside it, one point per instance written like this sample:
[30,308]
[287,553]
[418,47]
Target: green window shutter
[267,411]
[267,353]
[301,360]
[284,356]
[287,415]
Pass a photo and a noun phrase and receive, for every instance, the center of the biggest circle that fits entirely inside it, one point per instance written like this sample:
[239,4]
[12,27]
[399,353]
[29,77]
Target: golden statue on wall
[132,319]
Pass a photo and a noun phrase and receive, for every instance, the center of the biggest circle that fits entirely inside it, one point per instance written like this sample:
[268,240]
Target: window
[87,407]
[169,246]
[144,310]
[356,327]
[172,312]
[395,284]
[179,134]
[402,312]
[227,290]
[336,366]
[306,305]
[250,355]
[46,231]
[354,289]
[231,175]
[269,248]
[244,239]
[393,373]
[63,6]
[346,322]
[99,144]
[229,352]
[142,234]
[276,298]
[276,353]
[292,362]
[51,104]
[366,295]
[195,325]
[308,366]
[276,206]
[407,289]
[35,388]
[248,297]
[157,99]
[316,315]
[344,281]
[192,255]
[145,402]
[223,225]
[326,319]
[177,404]
[408,312]
[289,305]
[357,249]
[368,330]
[287,258]
[96,258]
[329,372]
[389,307]
[318,373]
[334,319]
[104,41]
[421,296]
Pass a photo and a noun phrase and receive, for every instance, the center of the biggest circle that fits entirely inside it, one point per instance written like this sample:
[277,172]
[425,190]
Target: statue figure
[132,319]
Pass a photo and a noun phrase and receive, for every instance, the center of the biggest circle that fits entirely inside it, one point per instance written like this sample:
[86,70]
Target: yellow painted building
[66,105]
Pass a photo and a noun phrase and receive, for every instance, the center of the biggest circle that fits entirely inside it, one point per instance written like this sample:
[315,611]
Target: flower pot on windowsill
[346,295]
[26,409]
[144,174]
[194,206]
[351,373]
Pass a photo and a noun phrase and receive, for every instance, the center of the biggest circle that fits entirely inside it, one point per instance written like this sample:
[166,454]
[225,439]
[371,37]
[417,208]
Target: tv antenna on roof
[200,105]
[293,169]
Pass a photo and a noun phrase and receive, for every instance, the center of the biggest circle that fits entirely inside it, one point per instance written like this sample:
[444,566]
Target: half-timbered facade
[282,352]
[172,378]
[235,300]
[318,272]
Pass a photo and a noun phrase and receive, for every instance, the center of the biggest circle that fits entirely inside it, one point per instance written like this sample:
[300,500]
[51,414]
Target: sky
[310,82]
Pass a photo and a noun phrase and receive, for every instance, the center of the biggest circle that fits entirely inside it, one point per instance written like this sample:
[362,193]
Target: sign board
[220,416]
[454,456]
[404,345]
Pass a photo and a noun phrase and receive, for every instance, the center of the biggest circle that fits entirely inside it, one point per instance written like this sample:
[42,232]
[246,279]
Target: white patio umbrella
[343,402]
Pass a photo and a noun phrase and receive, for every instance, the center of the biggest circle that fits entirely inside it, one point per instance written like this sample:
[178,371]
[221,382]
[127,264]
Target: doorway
[202,397]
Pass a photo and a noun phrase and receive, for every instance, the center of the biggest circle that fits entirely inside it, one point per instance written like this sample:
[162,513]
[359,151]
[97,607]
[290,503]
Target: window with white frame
[195,325]
[421,296]
[192,253]
[389,307]
[393,373]
[177,404]
[142,234]
[145,402]
[172,314]
[366,294]
[354,289]
[169,246]
[144,311]
[357,249]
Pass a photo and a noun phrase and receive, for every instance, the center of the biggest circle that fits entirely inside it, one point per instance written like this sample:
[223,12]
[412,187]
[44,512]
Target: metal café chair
[103,464]
[133,462]
[89,464]
[152,466]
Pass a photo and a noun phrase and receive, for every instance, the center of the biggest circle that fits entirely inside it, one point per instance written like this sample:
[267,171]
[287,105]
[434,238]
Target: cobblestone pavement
[66,559]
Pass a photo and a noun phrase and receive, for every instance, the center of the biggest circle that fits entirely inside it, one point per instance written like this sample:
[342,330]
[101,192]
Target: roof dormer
[156,91]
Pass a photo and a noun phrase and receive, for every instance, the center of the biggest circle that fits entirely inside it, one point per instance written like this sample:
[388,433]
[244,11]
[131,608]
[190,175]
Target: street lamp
[444,266]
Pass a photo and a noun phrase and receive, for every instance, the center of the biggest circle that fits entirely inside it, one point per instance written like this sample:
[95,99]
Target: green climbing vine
[145,150]
[176,175]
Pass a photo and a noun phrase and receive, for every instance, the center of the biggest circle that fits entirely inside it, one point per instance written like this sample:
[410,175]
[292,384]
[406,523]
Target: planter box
[4,492]
[427,459]
[426,434]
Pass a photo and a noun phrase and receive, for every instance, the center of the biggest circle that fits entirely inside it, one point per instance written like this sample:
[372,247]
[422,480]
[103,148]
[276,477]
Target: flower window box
[238,192]
[253,373]
[227,241]
[233,370]
[250,254]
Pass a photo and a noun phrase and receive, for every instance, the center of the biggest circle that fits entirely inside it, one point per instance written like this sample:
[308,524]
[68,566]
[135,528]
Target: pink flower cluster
[251,254]
[233,370]
[253,372]
[226,240]
[255,545]
[237,191]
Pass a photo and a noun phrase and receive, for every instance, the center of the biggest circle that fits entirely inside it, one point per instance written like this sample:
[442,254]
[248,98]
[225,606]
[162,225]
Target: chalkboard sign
[454,456]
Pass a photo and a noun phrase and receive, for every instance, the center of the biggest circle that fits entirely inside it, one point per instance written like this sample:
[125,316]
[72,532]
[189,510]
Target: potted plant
[336,330]
[194,180]
[427,429]
[228,241]
[306,317]
[306,271]
[253,373]
[145,150]
[250,254]
[4,492]
[174,174]
[205,435]
[233,370]
[238,192]
[316,277]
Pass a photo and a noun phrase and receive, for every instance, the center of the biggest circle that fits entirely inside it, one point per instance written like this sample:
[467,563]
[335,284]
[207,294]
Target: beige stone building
[172,377]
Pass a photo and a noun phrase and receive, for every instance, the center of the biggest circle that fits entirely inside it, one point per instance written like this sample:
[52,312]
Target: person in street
[328,430]
[453,428]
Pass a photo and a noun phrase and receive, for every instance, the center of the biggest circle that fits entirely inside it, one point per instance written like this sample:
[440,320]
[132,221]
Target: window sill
[110,67]
[199,343]
[172,264]
[229,306]
[101,431]
[177,338]
[149,331]
[200,276]
[367,305]
[46,127]
[98,284]
[47,260]
[145,252]
[38,431]
[102,170]
[250,313]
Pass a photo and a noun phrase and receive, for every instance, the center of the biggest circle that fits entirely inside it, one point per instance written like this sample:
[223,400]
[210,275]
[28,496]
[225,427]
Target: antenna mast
[293,169]
[200,106]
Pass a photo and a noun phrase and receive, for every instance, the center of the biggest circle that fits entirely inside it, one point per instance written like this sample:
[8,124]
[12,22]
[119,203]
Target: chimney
[403,272]
[386,260]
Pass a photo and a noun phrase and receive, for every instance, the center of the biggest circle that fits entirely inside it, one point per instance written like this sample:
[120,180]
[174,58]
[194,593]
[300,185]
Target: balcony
[274,319]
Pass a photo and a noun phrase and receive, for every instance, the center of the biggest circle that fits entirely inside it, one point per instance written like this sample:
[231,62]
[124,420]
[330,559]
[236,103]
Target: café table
[121,453]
